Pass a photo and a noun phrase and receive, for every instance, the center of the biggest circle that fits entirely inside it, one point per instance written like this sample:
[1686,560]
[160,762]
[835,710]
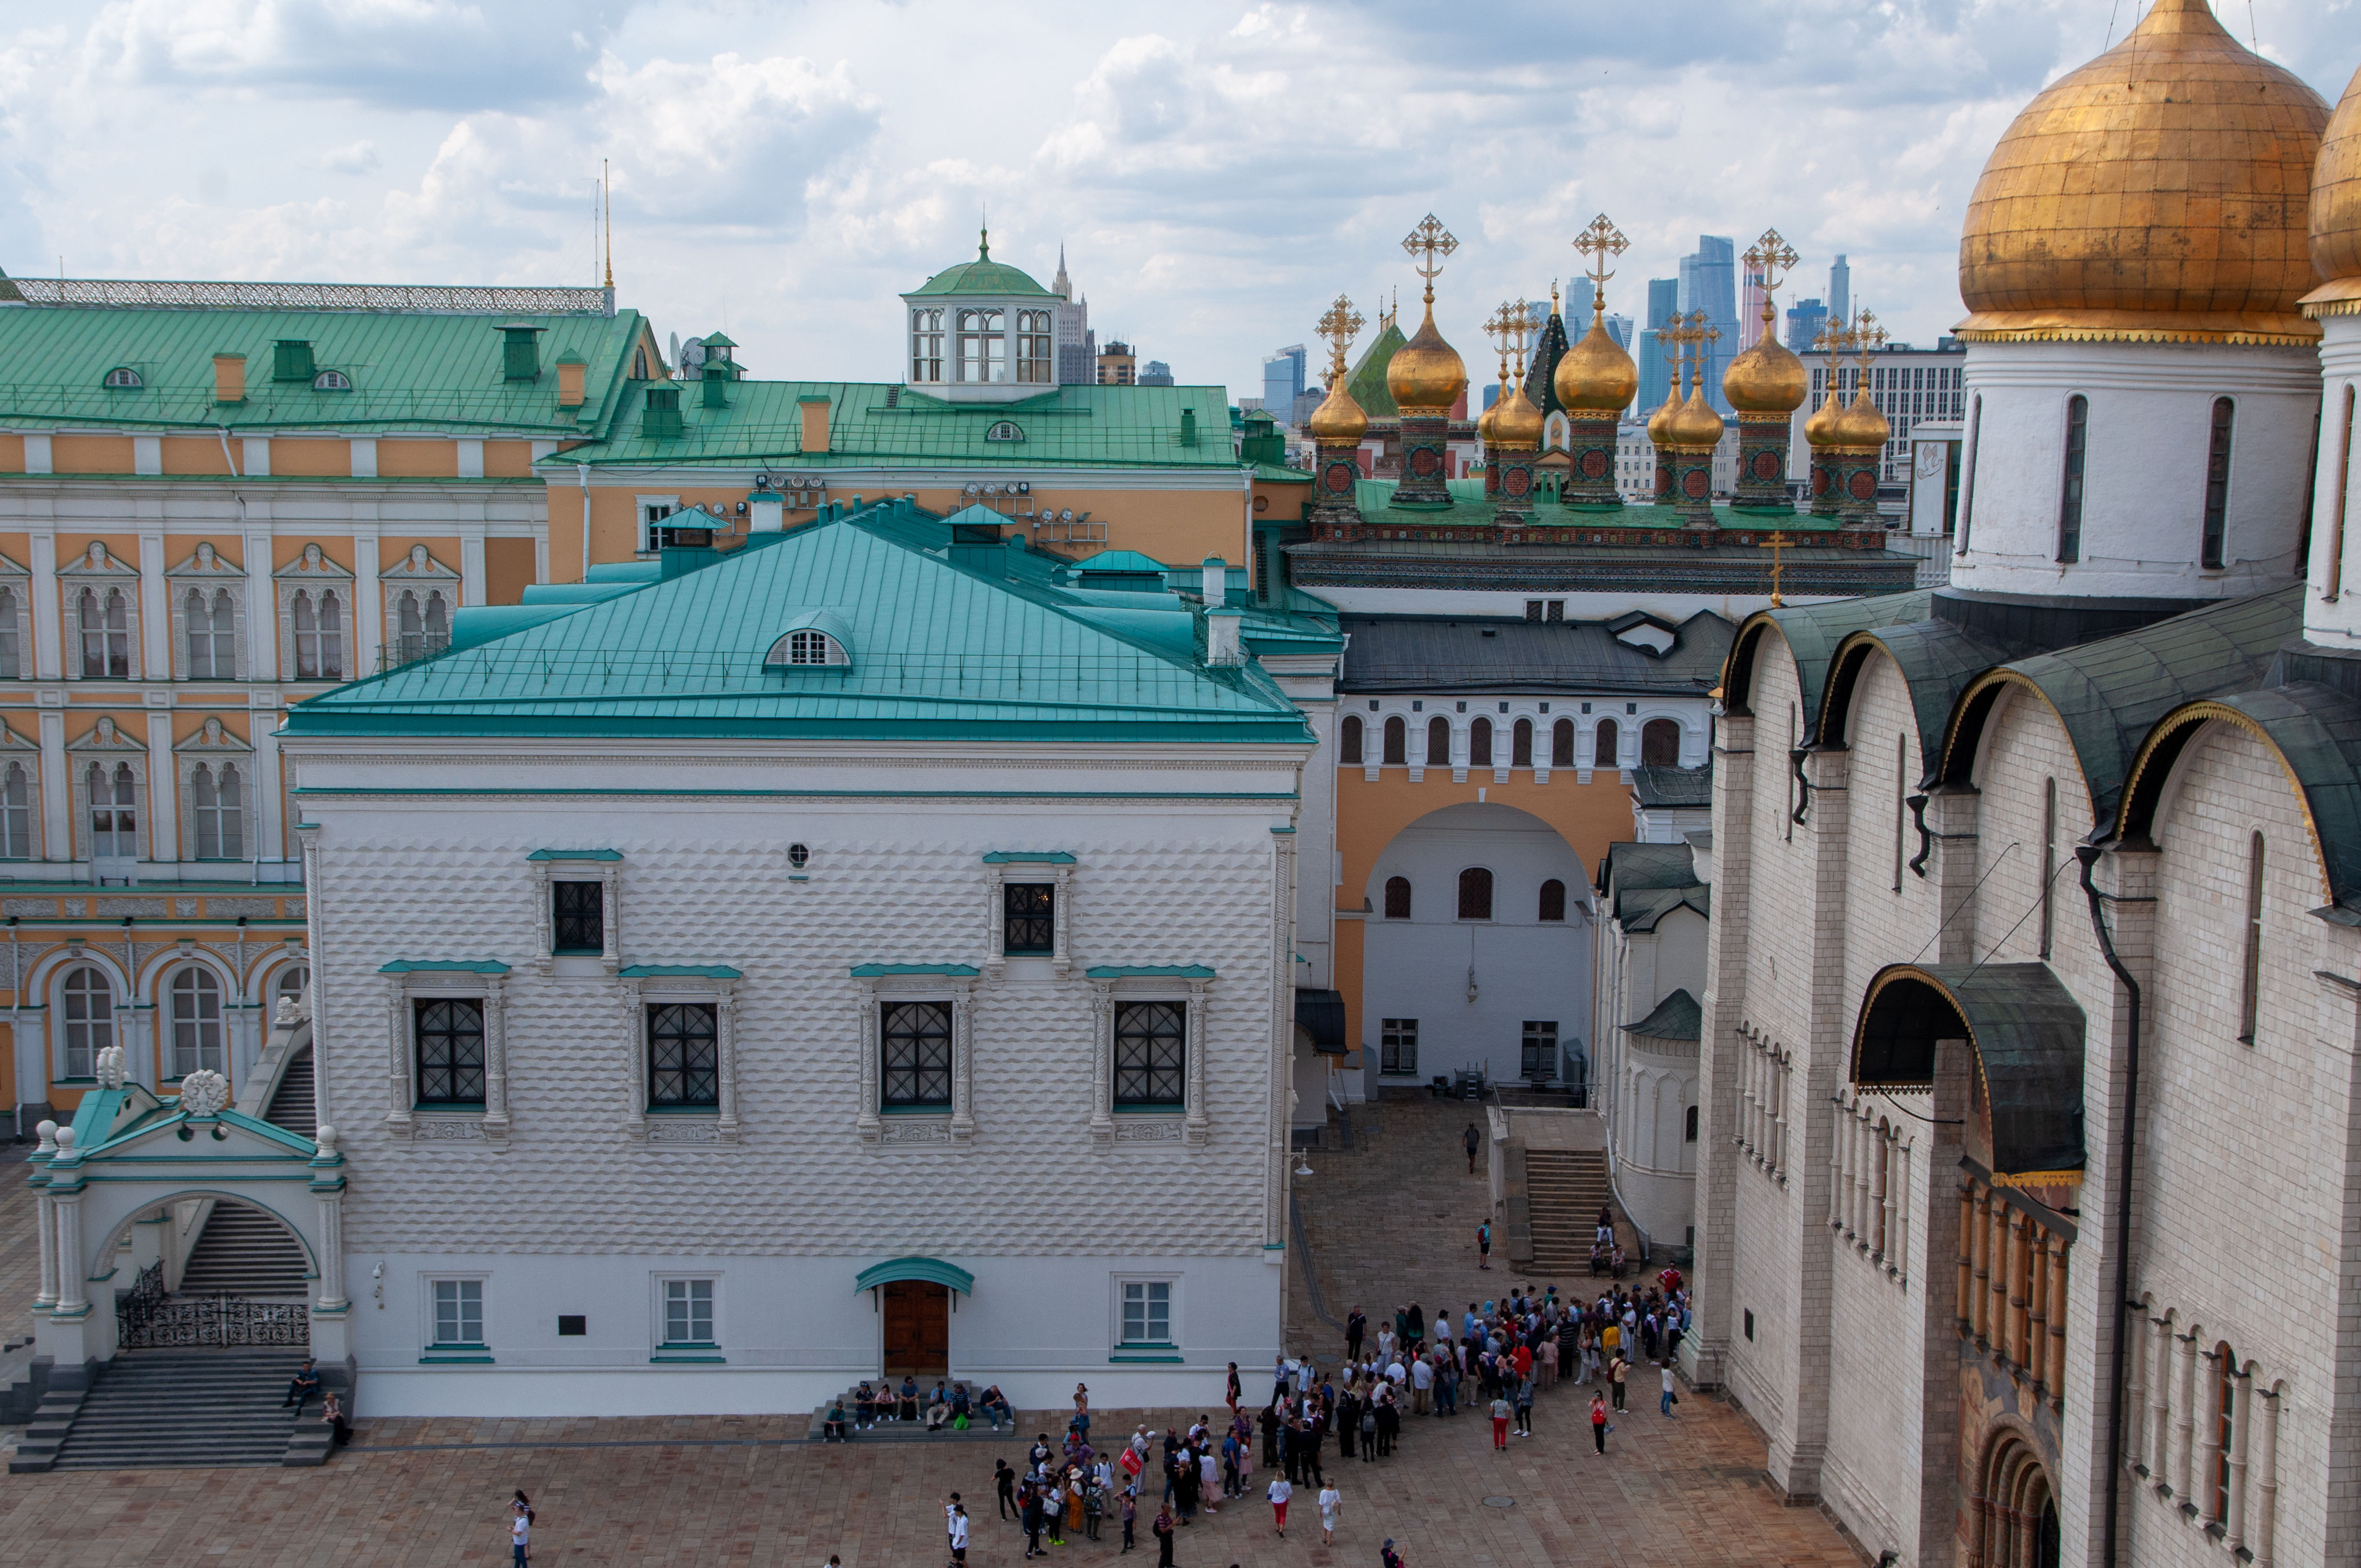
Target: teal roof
[409,370]
[982,276]
[945,641]
[1118,561]
[872,421]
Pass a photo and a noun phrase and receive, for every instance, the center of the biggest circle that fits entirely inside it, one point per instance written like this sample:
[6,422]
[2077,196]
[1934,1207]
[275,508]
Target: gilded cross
[1777,542]
[1704,334]
[1835,339]
[1429,245]
[1769,260]
[1504,327]
[1339,326]
[1599,241]
[1868,337]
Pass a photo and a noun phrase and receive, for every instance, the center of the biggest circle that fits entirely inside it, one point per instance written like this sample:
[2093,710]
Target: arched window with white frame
[927,343]
[211,628]
[113,811]
[196,1018]
[16,814]
[983,345]
[288,984]
[217,804]
[12,664]
[319,636]
[422,625]
[1036,358]
[87,1021]
[105,626]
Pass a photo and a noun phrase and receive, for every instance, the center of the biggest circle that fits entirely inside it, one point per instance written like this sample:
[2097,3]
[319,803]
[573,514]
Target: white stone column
[496,1063]
[725,1045]
[72,1268]
[155,611]
[262,611]
[45,1222]
[397,1049]
[2267,1481]
[57,789]
[2242,1413]
[2135,1394]
[316,991]
[49,612]
[872,1124]
[632,1013]
[2185,1429]
[332,1246]
[1103,1065]
[369,605]
[163,792]
[269,781]
[2159,1469]
[1195,1124]
[963,1064]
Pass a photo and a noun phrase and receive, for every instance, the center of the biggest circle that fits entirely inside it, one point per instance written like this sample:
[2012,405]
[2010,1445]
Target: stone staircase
[916,1432]
[243,1252]
[290,1103]
[176,1410]
[1565,1188]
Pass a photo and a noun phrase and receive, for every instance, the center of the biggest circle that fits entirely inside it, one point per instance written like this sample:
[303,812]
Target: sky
[1217,173]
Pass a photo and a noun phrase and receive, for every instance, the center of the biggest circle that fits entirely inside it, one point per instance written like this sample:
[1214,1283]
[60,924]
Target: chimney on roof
[229,377]
[571,372]
[814,407]
[1217,582]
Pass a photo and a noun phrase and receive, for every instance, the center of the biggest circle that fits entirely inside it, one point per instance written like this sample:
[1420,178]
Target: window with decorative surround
[918,1074]
[448,1043]
[207,595]
[683,1054]
[1149,1065]
[1028,889]
[2202,1428]
[577,896]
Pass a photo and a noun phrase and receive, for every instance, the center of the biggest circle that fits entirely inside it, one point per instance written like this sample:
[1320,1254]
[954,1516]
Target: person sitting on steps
[306,1384]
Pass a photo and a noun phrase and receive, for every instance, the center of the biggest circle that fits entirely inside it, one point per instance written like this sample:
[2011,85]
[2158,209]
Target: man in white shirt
[1421,1378]
[959,1534]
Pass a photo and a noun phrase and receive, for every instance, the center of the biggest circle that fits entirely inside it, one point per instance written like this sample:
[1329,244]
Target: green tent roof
[945,641]
[409,370]
[982,276]
[870,422]
[1367,383]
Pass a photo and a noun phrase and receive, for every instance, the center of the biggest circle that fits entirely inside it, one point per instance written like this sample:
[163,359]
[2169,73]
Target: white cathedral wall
[1655,1082]
[2242,1175]
[2151,410]
[1875,1471]
[1766,1214]
[574,1216]
[2335,493]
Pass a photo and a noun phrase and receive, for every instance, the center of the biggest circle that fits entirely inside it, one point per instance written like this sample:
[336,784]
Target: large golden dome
[1517,424]
[1338,421]
[2337,208]
[1659,423]
[2157,194]
[1595,376]
[1425,375]
[1766,379]
[1821,429]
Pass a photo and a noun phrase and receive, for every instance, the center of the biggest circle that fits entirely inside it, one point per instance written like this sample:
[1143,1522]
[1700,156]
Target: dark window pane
[1395,753]
[1031,911]
[450,1052]
[1659,744]
[577,907]
[1479,743]
[1521,744]
[1538,1058]
[1475,893]
[1396,898]
[915,1054]
[1561,744]
[1552,900]
[684,1055]
[1603,751]
[1151,1049]
[1351,741]
[2217,483]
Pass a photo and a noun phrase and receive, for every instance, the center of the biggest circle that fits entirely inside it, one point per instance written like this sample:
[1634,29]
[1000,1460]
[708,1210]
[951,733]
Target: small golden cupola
[1426,379]
[1596,381]
[1765,385]
[1337,426]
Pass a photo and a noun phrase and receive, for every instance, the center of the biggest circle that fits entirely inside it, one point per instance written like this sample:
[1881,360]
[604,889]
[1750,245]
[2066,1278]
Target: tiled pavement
[711,1490]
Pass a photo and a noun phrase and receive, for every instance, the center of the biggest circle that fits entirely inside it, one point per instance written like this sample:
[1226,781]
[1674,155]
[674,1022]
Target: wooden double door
[917,1328]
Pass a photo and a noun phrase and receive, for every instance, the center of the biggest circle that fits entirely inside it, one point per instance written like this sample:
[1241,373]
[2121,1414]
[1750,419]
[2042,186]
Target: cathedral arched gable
[2307,735]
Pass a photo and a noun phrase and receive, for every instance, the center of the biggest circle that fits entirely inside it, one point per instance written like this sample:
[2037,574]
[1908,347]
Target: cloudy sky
[1217,173]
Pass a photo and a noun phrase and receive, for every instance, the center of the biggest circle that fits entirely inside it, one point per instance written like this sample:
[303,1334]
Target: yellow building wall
[311,457]
[228,544]
[508,570]
[90,454]
[508,459]
[402,458]
[1369,816]
[12,453]
[121,548]
[194,454]
[286,549]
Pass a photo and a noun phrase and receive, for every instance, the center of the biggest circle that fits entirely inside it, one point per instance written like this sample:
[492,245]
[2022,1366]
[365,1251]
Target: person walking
[1524,1407]
[1130,1516]
[1165,1530]
[1615,1378]
[1330,1500]
[958,1535]
[1034,1515]
[1280,1491]
[1474,1141]
[1003,1482]
[1664,1406]
[1484,1244]
[1598,1421]
[1390,1558]
[1500,1421]
[520,1531]
[1356,1329]
[1234,1390]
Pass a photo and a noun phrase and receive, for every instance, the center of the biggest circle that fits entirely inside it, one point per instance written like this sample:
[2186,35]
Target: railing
[147,1319]
[408,297]
[410,649]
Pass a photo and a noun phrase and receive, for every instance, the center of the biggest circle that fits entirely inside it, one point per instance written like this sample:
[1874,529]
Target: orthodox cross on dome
[1835,339]
[1339,326]
[1770,259]
[1777,542]
[1869,338]
[1429,245]
[1504,327]
[1522,331]
[1601,240]
[1703,334]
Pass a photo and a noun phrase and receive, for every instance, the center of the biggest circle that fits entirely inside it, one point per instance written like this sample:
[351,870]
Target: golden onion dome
[2336,204]
[1696,428]
[1821,429]
[1425,375]
[2154,193]
[1861,428]
[1766,379]
[1517,425]
[1338,421]
[1659,423]
[1596,376]
[1490,421]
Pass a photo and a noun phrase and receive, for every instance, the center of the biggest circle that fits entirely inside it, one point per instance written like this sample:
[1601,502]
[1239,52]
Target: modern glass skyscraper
[1708,283]
[1804,320]
[1653,353]
[1840,289]
[1282,380]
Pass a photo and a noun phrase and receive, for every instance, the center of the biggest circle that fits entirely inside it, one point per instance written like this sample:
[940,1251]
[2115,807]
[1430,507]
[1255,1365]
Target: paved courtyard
[1395,1217]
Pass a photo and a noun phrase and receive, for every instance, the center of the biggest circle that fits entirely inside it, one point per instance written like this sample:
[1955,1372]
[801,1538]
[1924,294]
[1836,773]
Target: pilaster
[1722,1052]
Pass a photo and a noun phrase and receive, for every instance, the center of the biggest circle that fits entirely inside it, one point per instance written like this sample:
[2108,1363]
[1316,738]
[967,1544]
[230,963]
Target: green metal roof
[872,421]
[1367,381]
[409,371]
[1676,1017]
[945,641]
[931,1270]
[983,276]
[2026,1031]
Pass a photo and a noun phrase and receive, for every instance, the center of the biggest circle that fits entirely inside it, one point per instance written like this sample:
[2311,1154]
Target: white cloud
[730,141]
[360,158]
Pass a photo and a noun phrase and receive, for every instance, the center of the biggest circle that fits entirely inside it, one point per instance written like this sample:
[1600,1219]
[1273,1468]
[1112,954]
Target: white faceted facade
[571,1211]
[2127,514]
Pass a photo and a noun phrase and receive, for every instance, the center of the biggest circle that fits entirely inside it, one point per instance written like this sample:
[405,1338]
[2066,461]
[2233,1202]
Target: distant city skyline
[784,176]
